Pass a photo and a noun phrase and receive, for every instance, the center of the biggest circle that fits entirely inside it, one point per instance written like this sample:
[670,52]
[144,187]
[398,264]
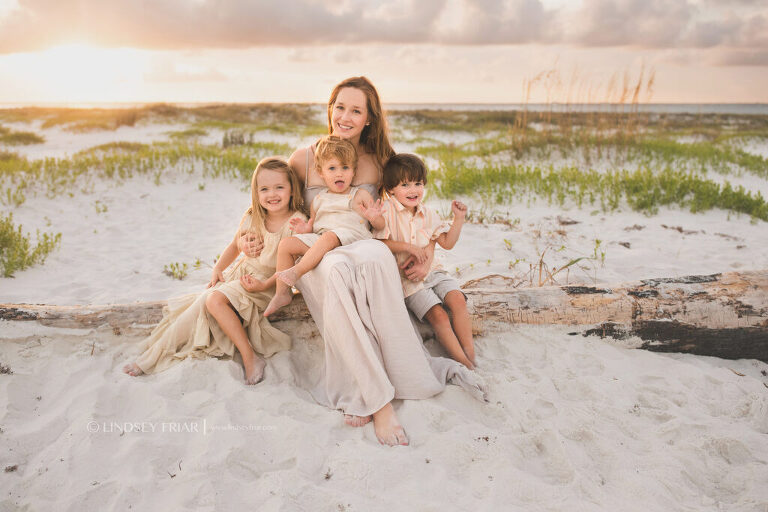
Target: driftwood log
[723,315]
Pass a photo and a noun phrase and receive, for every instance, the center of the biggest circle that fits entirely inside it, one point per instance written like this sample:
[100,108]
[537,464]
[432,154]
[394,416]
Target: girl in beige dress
[226,316]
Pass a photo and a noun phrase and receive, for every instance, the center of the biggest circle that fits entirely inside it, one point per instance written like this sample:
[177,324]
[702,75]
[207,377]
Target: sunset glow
[431,51]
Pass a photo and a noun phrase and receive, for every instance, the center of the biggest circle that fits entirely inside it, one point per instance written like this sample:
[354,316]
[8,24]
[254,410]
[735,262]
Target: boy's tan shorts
[437,284]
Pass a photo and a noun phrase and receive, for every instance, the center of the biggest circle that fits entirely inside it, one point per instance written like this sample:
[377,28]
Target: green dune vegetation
[9,137]
[16,249]
[118,161]
[620,157]
[610,159]
[249,117]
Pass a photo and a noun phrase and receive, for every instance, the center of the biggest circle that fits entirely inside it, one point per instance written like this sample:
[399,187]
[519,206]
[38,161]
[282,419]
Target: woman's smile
[350,113]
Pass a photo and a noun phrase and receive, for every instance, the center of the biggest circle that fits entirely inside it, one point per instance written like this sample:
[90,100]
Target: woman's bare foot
[356,421]
[132,369]
[388,429]
[254,369]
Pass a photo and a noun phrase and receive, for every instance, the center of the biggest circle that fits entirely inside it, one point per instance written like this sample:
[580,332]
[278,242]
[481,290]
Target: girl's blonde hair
[257,212]
[374,137]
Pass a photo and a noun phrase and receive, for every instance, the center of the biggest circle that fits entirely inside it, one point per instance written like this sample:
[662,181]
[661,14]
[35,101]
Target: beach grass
[16,249]
[21,177]
[82,120]
[189,133]
[646,159]
[12,138]
[640,149]
[643,189]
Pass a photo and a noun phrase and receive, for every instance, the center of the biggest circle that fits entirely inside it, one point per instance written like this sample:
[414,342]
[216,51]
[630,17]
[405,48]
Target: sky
[414,51]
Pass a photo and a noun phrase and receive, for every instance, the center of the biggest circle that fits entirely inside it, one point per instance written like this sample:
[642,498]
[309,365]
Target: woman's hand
[301,226]
[217,276]
[250,245]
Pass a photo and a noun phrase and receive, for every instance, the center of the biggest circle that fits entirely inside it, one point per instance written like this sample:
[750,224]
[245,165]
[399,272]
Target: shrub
[16,251]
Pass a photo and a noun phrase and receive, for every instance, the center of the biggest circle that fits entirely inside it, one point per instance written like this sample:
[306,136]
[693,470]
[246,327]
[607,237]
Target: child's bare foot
[132,369]
[289,276]
[254,370]
[281,298]
[356,421]
[388,429]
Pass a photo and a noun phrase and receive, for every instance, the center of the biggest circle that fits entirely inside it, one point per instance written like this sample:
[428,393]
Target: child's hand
[301,226]
[419,253]
[372,211]
[251,284]
[217,276]
[459,210]
[414,270]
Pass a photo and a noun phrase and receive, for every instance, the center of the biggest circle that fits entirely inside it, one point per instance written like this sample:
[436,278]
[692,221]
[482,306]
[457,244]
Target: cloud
[743,58]
[705,34]
[650,23]
[194,24]
[177,24]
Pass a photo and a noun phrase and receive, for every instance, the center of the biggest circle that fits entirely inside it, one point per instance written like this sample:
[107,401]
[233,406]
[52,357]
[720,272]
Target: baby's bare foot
[254,370]
[356,421]
[388,429]
[289,276]
[133,370]
[281,298]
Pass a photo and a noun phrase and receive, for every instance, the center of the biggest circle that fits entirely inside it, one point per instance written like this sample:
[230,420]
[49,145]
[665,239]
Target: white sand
[574,423]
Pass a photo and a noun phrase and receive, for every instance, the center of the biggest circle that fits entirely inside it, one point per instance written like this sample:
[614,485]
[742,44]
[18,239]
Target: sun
[78,72]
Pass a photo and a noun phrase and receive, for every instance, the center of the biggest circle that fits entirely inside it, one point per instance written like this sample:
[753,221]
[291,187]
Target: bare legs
[456,336]
[287,273]
[218,305]
[462,323]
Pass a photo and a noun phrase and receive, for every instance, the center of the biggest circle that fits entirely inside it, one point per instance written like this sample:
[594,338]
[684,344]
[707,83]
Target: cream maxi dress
[373,351]
[188,330]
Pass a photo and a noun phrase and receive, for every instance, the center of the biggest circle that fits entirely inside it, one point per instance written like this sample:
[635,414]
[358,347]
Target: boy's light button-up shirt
[418,228]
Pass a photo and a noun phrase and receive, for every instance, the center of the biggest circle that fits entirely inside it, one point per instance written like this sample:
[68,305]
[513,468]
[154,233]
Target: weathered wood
[718,301]
[135,318]
[673,336]
[720,314]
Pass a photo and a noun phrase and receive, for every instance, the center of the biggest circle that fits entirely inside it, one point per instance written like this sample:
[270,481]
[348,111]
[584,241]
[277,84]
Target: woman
[373,353]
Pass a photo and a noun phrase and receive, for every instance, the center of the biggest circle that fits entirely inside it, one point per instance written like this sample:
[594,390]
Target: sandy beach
[572,423]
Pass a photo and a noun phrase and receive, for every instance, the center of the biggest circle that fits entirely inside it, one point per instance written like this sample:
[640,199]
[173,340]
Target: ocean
[661,108]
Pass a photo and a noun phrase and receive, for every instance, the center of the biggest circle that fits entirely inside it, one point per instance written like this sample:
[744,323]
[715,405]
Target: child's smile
[409,193]
[274,191]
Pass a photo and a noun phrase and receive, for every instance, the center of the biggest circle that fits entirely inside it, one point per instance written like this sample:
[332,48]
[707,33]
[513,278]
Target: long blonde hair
[257,213]
[373,138]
